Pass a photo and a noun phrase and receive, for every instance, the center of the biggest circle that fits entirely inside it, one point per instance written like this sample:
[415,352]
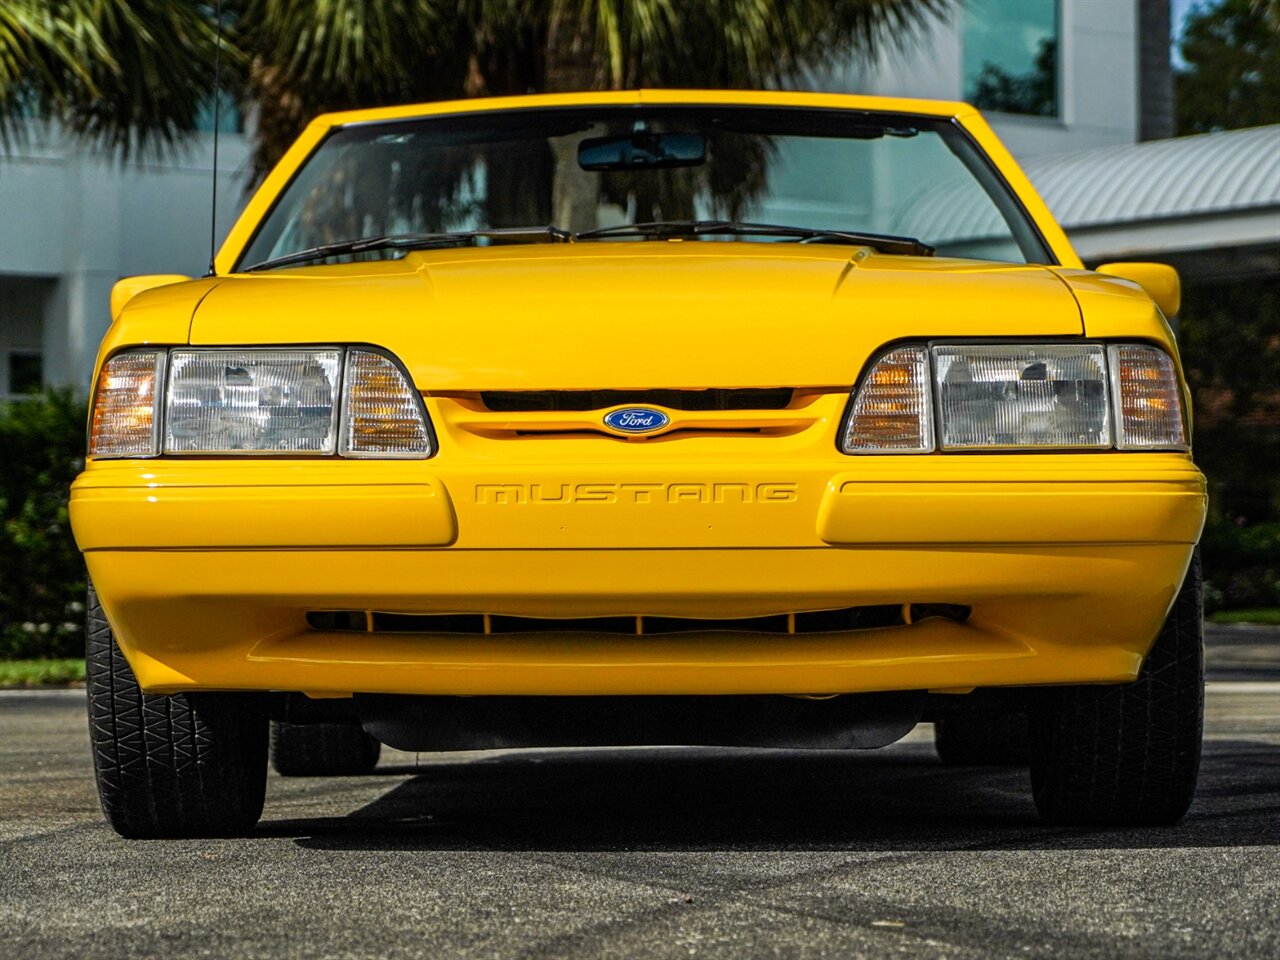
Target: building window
[1011,56]
[26,372]
[230,120]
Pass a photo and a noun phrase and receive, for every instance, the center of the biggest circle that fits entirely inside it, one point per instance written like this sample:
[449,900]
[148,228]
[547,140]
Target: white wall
[83,220]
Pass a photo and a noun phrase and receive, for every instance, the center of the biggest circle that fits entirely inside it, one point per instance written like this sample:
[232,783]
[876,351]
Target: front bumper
[207,570]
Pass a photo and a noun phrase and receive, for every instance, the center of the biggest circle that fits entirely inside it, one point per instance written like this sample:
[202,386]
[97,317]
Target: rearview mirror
[1159,280]
[642,150]
[128,288]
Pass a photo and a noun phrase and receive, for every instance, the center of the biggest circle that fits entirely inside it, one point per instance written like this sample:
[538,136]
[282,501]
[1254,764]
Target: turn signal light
[124,420]
[1147,397]
[892,412]
[382,414]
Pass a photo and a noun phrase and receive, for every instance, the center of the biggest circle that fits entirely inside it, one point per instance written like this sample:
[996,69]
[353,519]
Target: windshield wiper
[414,241]
[663,229]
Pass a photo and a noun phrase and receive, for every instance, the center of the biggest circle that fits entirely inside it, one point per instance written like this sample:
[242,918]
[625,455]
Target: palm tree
[135,73]
[128,75]
[311,55]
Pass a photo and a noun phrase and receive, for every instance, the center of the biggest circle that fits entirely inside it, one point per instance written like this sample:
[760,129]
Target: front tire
[178,765]
[1128,754]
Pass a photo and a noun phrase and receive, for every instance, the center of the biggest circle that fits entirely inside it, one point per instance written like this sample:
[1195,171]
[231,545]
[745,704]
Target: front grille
[821,621]
[520,401]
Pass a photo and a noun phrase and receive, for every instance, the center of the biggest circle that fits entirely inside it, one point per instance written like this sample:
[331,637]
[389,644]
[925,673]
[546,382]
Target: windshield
[587,169]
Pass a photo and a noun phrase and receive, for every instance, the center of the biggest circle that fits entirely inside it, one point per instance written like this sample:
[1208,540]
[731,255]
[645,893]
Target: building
[1208,205]
[1081,92]
[73,222]
[1051,75]
[1074,87]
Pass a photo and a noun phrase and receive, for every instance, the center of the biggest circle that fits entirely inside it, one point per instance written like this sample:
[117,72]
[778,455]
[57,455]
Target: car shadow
[743,800]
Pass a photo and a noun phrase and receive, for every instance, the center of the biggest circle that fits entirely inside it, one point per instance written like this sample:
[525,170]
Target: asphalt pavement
[662,853]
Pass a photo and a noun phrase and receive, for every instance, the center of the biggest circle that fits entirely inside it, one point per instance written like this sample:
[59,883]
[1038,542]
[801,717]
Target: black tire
[1128,754]
[322,749]
[178,765]
[982,740]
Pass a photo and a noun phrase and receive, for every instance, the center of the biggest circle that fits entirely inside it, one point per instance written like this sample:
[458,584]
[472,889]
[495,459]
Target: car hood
[637,315]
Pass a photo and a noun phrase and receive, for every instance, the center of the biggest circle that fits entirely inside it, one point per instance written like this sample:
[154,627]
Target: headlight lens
[1004,396]
[996,396]
[124,420]
[354,402]
[252,401]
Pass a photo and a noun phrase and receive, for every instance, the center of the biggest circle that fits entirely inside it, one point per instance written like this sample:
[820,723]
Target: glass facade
[230,120]
[1011,56]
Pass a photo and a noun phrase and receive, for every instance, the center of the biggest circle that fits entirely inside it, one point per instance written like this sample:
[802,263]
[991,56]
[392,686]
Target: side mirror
[1158,279]
[128,288]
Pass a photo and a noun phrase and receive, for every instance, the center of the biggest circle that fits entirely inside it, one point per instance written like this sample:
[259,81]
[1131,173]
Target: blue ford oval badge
[637,420]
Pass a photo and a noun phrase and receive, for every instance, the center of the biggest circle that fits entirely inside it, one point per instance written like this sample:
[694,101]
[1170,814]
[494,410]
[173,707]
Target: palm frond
[309,56]
[758,43]
[136,75]
[131,77]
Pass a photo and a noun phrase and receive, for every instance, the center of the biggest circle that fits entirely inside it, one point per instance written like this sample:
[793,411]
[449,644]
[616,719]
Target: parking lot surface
[665,853]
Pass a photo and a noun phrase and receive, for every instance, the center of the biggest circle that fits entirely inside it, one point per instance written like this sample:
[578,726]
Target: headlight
[991,397]
[354,402]
[1052,396]
[252,401]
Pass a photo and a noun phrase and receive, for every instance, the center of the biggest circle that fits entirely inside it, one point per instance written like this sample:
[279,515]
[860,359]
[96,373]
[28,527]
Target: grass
[1266,615]
[40,673]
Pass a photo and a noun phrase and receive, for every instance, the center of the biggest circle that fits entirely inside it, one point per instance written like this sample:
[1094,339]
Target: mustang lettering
[513,493]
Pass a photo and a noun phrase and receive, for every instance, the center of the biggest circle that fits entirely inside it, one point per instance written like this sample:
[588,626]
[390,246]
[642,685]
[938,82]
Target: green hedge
[1242,565]
[42,578]
[1230,342]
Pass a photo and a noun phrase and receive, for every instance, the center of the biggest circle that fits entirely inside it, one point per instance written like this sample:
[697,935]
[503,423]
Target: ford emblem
[636,420]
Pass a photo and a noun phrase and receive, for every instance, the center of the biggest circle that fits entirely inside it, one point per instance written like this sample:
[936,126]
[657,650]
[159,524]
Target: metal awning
[1215,196]
[1206,192]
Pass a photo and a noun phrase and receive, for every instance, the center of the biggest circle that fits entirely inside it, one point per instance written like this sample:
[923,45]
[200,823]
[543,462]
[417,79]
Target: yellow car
[667,417]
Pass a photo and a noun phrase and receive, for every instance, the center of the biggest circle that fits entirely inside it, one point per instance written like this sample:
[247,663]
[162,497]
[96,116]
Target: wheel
[982,740]
[178,765]
[1128,754]
[322,749]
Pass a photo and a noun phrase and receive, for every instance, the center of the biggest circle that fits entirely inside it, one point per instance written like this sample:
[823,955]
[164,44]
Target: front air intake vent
[820,621]
[524,401]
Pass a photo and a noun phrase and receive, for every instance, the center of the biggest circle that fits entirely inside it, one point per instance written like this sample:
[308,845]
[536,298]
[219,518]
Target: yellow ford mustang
[773,419]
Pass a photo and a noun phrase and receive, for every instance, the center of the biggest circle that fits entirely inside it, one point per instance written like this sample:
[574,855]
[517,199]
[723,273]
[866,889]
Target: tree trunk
[572,66]
[571,63]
